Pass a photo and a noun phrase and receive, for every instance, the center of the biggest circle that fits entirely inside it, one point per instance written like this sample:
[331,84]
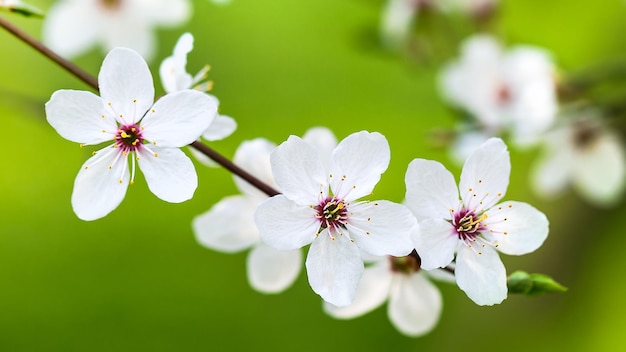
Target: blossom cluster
[439,232]
[362,252]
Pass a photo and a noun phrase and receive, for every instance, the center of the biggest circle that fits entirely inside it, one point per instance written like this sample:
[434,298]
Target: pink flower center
[332,213]
[467,225]
[129,138]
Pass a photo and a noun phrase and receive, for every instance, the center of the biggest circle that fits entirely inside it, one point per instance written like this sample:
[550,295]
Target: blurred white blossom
[474,227]
[512,92]
[319,207]
[584,153]
[414,301]
[72,27]
[229,225]
[142,133]
[174,77]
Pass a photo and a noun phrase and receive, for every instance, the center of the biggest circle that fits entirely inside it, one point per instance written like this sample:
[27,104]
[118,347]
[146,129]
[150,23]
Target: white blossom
[585,154]
[174,77]
[229,225]
[72,27]
[319,207]
[510,92]
[142,132]
[414,301]
[474,227]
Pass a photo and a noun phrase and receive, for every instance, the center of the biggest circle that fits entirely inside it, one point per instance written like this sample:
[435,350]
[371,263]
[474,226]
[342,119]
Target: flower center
[332,213]
[503,94]
[406,265]
[129,138]
[468,225]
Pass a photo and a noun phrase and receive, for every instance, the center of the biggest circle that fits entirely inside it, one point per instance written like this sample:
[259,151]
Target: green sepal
[533,284]
[24,10]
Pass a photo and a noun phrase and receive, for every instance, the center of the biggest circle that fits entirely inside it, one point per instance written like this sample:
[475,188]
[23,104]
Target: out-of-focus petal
[381,227]
[77,20]
[284,224]
[517,228]
[430,190]
[228,226]
[552,173]
[414,304]
[372,292]
[601,171]
[357,163]
[170,175]
[173,74]
[334,268]
[222,127]
[485,175]
[100,185]
[271,270]
[481,276]
[254,157]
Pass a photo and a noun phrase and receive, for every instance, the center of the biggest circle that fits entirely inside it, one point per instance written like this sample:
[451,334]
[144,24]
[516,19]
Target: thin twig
[93,82]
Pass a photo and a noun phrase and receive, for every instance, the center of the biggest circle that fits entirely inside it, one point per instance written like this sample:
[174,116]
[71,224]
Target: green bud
[533,284]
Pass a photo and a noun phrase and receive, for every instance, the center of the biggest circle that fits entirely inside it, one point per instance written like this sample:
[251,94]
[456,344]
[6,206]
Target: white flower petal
[97,188]
[222,127]
[271,270]
[174,76]
[179,118]
[372,292]
[171,175]
[126,84]
[516,227]
[414,304]
[334,269]
[135,35]
[600,172]
[397,21]
[78,117]
[284,224]
[229,225]
[485,175]
[298,171]
[78,20]
[357,163]
[466,143]
[442,275]
[435,242]
[165,12]
[381,227]
[322,140]
[481,276]
[552,173]
[254,157]
[430,190]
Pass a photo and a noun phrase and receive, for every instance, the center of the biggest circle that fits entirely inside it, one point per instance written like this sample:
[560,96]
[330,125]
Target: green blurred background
[137,279]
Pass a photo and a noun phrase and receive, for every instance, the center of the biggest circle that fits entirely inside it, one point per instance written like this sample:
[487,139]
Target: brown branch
[93,82]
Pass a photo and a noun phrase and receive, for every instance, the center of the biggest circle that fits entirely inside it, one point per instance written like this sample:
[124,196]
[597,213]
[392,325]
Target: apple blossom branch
[92,81]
